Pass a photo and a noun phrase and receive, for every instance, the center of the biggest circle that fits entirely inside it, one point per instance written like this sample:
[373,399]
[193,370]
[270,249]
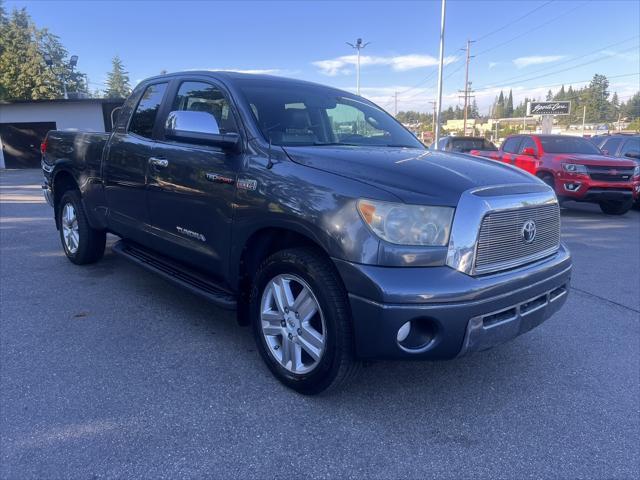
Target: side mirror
[633,154]
[200,128]
[531,152]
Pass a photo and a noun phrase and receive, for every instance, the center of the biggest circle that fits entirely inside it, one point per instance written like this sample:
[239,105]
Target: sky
[527,46]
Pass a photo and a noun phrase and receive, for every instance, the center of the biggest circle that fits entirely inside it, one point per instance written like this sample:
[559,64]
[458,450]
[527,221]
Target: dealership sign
[548,108]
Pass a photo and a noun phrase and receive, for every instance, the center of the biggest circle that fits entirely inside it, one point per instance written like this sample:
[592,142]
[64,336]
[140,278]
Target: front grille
[609,174]
[501,244]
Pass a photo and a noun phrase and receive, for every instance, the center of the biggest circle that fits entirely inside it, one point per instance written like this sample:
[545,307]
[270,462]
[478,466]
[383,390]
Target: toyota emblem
[528,231]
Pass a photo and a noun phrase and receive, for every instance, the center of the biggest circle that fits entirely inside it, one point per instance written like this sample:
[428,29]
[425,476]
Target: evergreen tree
[24,75]
[117,80]
[498,109]
[596,98]
[474,112]
[631,108]
[508,109]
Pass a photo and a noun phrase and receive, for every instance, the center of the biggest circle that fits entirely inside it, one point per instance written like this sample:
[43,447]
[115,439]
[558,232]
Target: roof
[64,100]
[234,76]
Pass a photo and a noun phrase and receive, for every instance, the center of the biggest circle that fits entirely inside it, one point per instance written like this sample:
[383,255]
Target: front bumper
[583,188]
[458,313]
[47,192]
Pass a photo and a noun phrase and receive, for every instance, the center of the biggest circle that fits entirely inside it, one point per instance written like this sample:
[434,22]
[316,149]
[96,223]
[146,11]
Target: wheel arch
[261,244]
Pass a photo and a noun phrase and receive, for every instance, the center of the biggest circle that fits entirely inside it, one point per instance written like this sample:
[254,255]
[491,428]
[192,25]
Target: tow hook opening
[416,335]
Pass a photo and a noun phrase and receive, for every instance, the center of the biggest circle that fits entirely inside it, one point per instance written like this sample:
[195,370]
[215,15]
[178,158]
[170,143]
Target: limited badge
[246,184]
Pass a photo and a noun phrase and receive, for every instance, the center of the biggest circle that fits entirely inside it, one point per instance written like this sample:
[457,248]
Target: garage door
[21,143]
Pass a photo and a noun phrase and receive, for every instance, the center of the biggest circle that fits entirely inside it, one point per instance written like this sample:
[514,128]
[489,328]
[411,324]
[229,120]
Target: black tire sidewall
[287,262]
[613,207]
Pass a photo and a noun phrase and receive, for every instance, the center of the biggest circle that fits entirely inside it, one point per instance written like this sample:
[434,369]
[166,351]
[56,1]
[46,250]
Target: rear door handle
[159,162]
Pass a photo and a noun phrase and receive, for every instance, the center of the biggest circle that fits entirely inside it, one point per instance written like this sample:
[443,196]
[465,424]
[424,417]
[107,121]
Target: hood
[414,175]
[601,160]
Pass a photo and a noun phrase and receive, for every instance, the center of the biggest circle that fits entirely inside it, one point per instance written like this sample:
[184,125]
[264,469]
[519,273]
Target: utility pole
[467,88]
[434,103]
[584,116]
[395,108]
[358,46]
[440,67]
[466,95]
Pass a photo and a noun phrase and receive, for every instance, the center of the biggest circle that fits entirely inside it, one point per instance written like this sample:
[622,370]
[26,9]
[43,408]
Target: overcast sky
[530,46]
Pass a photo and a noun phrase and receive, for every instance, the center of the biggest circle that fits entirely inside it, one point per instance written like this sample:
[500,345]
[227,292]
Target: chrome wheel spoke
[272,322]
[307,308]
[312,341]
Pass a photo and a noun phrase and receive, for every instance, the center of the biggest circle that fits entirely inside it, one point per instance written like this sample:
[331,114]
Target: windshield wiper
[320,144]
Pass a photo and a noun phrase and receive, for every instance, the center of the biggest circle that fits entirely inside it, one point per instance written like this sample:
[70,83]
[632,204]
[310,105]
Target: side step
[176,273]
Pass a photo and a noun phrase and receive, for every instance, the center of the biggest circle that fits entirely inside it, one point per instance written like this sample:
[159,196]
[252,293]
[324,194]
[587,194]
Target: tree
[474,112]
[631,109]
[596,99]
[508,109]
[24,75]
[498,108]
[117,80]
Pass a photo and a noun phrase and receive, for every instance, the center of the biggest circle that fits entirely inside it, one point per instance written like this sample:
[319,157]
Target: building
[24,124]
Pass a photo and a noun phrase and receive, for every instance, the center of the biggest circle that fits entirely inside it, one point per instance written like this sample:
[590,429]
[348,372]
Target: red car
[575,168]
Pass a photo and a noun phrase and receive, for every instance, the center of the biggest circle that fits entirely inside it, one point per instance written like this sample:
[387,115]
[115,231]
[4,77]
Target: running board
[176,273]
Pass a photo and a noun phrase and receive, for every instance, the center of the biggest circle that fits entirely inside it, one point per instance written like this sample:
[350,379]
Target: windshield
[465,145]
[560,144]
[293,114]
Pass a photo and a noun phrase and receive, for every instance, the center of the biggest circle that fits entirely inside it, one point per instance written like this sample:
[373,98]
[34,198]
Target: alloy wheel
[292,323]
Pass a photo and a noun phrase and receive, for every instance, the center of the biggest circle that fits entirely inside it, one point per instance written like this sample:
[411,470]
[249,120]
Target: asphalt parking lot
[109,371]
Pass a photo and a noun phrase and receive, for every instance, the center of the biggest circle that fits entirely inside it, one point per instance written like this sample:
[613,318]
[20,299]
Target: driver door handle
[159,162]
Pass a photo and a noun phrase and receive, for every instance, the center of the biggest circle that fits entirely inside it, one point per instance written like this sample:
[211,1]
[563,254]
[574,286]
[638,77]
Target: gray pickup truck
[330,229]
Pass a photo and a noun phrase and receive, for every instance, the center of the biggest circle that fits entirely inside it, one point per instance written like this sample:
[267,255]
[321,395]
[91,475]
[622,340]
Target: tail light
[43,146]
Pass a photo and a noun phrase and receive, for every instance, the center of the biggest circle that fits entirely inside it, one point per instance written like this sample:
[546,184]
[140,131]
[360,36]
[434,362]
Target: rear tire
[612,207]
[81,243]
[307,345]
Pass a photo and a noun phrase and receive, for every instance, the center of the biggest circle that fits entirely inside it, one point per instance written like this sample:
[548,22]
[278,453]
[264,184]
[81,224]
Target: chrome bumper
[495,328]
[47,193]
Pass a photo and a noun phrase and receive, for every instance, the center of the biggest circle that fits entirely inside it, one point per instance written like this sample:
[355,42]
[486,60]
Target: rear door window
[144,117]
[528,143]
[611,145]
[631,145]
[511,144]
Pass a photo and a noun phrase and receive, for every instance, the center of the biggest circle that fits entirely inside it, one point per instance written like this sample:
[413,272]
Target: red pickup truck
[575,168]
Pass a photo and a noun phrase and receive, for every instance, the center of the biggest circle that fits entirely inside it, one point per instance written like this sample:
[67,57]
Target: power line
[507,25]
[571,60]
[489,87]
[529,30]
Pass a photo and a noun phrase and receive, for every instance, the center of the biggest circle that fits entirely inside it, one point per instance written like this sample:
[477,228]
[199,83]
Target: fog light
[403,332]
[416,335]
[572,186]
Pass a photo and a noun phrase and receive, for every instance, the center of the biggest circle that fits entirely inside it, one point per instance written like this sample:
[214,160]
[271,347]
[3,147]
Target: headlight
[636,171]
[407,224]
[574,168]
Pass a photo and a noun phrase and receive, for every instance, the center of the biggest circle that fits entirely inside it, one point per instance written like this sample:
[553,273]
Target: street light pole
[358,46]
[440,67]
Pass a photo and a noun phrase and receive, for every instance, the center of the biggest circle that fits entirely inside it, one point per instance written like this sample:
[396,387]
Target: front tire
[302,322]
[81,243]
[612,207]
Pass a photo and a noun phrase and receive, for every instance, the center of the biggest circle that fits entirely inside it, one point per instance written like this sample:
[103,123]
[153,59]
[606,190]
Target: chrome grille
[501,244]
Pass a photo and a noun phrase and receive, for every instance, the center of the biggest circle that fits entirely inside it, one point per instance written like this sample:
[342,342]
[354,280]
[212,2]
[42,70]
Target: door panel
[127,164]
[190,208]
[125,174]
